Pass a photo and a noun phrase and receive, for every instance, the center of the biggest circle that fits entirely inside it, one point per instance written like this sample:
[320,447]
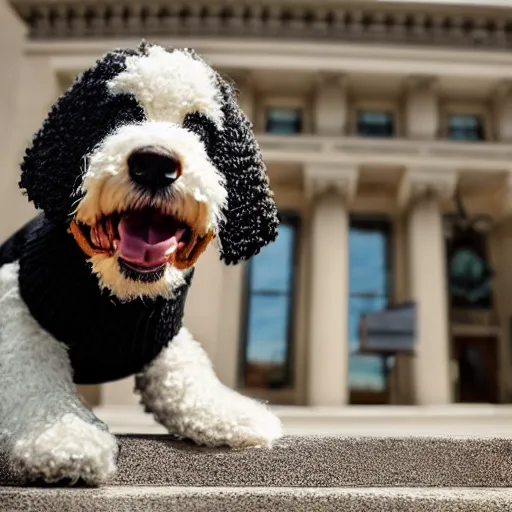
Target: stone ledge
[310,462]
[156,499]
[480,420]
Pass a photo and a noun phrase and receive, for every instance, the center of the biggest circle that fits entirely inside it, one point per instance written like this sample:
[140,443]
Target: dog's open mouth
[145,241]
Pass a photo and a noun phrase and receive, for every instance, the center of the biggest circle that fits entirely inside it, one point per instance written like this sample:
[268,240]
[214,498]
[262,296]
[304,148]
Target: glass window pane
[465,127]
[271,269]
[368,261]
[375,123]
[284,121]
[267,341]
[366,373]
[368,292]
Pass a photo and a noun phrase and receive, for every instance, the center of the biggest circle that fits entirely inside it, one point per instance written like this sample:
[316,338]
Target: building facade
[386,129]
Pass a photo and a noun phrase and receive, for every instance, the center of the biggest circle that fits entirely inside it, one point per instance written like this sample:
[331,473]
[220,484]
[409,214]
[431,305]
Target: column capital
[321,179]
[420,182]
[506,196]
[246,91]
[243,78]
[503,89]
[331,79]
[421,82]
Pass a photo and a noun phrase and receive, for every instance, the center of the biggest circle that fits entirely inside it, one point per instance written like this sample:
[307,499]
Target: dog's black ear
[250,217]
[53,166]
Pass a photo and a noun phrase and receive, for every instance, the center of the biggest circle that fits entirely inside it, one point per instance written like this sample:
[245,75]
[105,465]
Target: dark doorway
[477,363]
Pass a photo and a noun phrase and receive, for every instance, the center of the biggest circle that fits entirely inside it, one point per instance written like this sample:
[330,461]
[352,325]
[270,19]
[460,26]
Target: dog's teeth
[187,250]
[104,241]
[94,236]
[110,229]
[171,250]
[115,244]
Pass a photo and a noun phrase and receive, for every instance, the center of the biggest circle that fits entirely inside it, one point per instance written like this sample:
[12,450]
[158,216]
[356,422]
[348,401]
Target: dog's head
[146,159]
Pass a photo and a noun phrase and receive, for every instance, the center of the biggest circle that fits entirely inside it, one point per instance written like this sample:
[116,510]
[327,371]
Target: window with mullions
[284,121]
[269,311]
[369,290]
[374,123]
[465,127]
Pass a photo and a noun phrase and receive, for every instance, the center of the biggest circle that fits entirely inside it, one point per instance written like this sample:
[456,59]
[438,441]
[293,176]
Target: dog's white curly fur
[182,391]
[46,430]
[198,197]
[68,449]
[107,270]
[170,85]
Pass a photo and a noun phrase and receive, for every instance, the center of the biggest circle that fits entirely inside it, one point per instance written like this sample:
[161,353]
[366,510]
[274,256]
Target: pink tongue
[146,240]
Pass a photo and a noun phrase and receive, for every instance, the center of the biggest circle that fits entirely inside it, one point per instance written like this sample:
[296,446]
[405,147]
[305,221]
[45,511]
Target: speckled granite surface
[298,474]
[316,462]
[213,499]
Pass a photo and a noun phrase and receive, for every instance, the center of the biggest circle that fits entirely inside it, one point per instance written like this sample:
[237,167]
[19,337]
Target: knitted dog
[138,166]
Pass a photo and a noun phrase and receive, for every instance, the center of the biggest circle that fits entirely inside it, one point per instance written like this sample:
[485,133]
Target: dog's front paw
[69,449]
[221,417]
[247,423]
[182,391]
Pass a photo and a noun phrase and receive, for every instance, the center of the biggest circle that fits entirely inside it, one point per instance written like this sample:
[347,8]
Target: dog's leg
[182,391]
[46,432]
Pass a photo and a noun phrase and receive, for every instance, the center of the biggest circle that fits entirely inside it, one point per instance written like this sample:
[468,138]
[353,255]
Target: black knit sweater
[107,339]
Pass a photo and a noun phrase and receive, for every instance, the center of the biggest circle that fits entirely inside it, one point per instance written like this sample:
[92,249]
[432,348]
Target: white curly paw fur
[69,449]
[220,417]
[224,418]
[182,391]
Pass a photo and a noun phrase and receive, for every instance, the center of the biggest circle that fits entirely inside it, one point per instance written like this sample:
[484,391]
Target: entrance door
[477,363]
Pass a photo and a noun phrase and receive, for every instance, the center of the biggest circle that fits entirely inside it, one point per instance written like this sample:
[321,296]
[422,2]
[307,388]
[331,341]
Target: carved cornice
[323,179]
[342,20]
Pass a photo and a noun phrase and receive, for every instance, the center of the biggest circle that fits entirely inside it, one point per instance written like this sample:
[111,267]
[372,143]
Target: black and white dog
[138,166]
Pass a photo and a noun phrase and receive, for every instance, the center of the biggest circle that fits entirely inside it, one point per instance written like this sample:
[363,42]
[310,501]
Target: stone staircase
[302,473]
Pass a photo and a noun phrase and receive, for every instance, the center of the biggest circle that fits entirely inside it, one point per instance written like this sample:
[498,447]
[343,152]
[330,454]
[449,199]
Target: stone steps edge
[155,498]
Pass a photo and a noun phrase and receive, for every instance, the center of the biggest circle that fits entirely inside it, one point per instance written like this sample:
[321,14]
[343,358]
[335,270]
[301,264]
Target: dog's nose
[153,167]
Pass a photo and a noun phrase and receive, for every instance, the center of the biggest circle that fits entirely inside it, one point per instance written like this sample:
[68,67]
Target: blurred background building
[386,129]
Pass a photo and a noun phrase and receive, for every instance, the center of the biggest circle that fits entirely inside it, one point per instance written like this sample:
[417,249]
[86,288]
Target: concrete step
[311,462]
[379,421]
[253,499]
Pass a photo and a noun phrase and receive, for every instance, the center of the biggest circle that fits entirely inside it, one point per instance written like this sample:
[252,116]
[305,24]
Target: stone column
[500,256]
[227,351]
[421,108]
[12,40]
[428,285]
[29,100]
[119,393]
[331,112]
[502,112]
[331,190]
[246,97]
[203,308]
